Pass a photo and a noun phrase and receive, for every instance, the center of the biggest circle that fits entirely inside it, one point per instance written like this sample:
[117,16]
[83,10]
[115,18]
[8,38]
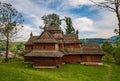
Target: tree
[107,47]
[2,45]
[48,19]
[20,46]
[111,5]
[10,23]
[69,26]
[116,51]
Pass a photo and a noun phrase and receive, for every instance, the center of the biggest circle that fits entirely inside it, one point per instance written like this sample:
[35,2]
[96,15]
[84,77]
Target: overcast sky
[91,22]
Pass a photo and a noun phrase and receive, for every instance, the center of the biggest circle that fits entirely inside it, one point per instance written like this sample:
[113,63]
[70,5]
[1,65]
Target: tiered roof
[45,54]
[71,38]
[31,40]
[47,37]
[89,48]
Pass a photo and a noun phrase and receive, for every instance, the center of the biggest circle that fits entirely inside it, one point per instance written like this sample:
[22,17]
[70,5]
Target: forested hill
[99,40]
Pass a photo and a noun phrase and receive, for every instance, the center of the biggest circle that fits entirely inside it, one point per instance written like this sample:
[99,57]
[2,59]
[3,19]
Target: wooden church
[53,48]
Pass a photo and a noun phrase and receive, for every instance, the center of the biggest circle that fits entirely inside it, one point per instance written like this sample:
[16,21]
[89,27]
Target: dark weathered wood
[72,45]
[28,47]
[44,47]
[72,59]
[28,59]
[91,58]
[54,48]
[46,61]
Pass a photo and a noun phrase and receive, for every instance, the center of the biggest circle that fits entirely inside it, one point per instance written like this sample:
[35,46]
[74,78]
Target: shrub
[108,58]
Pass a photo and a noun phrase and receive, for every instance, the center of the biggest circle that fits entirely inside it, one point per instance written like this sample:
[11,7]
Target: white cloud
[102,25]
[106,24]
[76,3]
[83,24]
[67,4]
[24,33]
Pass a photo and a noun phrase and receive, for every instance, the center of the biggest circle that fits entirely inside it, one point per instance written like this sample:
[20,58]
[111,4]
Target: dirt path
[109,72]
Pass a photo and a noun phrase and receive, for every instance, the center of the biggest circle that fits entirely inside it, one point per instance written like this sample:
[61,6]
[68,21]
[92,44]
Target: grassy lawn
[19,71]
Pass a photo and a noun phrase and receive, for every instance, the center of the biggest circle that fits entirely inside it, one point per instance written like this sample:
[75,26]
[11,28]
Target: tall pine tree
[69,26]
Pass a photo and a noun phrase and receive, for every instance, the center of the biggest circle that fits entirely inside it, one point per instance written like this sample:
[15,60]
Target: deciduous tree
[10,23]
[48,19]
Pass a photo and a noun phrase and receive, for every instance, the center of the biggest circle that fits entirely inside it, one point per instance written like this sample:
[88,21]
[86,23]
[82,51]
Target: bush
[2,59]
[108,58]
[117,55]
[12,59]
[116,51]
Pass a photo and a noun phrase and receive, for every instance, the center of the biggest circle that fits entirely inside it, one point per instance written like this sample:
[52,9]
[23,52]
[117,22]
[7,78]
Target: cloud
[68,4]
[101,27]
[24,33]
[83,24]
[106,23]
[101,24]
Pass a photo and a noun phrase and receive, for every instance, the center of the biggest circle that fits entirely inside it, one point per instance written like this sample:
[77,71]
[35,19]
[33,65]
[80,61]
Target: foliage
[48,19]
[69,26]
[2,46]
[112,50]
[10,19]
[107,47]
[16,47]
[108,58]
[116,51]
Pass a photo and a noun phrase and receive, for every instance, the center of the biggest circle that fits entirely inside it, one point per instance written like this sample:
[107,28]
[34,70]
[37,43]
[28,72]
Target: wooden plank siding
[28,59]
[46,61]
[72,45]
[72,59]
[44,47]
[91,58]
[29,47]
[82,58]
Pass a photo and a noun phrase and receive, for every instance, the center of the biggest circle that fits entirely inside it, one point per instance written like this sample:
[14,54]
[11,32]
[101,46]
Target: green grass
[19,71]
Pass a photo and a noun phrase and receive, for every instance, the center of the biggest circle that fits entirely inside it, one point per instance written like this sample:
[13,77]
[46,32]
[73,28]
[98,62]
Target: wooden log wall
[28,59]
[72,45]
[44,61]
[72,59]
[28,47]
[91,58]
[44,47]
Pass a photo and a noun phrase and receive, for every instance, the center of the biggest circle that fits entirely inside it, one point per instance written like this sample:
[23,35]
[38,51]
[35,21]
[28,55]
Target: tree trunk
[119,29]
[7,49]
[118,15]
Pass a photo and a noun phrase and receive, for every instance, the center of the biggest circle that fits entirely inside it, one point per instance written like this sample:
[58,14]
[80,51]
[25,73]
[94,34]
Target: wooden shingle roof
[45,54]
[91,48]
[71,38]
[45,37]
[31,40]
[52,27]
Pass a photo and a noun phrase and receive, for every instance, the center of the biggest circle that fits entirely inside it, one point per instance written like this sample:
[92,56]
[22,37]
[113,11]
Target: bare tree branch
[111,5]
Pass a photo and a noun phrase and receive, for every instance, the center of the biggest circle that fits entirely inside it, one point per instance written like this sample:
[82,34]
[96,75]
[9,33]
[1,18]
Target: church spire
[77,32]
[31,34]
